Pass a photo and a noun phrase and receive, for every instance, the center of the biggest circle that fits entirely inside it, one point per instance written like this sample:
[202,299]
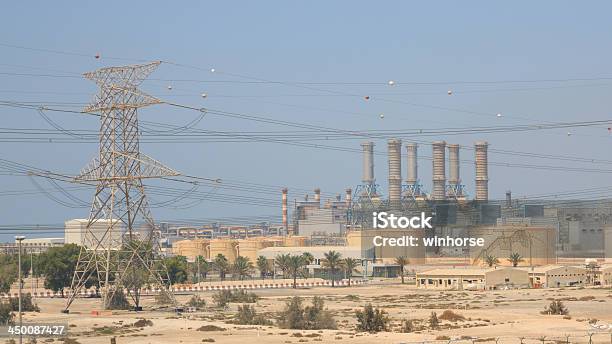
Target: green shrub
[27,304]
[163,298]
[197,302]
[315,317]
[407,326]
[433,320]
[556,307]
[6,314]
[248,316]
[118,301]
[371,320]
[223,297]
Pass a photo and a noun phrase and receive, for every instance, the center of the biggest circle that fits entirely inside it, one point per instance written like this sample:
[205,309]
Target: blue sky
[315,41]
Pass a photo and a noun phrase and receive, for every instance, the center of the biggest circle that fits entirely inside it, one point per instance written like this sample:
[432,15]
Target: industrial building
[555,276]
[232,248]
[541,232]
[536,245]
[75,233]
[473,279]
[31,245]
[367,268]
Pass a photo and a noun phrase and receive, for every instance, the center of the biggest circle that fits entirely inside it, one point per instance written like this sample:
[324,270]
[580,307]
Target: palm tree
[402,262]
[222,265]
[282,262]
[308,259]
[295,266]
[263,265]
[242,267]
[199,268]
[491,260]
[350,265]
[332,262]
[515,259]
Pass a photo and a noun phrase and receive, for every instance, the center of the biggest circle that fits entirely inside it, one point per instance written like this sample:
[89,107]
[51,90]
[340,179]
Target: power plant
[320,220]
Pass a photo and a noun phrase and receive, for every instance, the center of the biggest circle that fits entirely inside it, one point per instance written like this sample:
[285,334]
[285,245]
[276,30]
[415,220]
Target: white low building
[99,236]
[37,245]
[554,276]
[473,278]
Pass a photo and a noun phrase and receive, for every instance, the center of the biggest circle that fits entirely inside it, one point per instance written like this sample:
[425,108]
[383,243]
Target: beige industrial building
[473,278]
[364,240]
[554,276]
[232,248]
[75,233]
[536,245]
[318,252]
[37,245]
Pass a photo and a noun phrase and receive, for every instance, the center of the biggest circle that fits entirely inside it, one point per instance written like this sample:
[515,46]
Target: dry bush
[197,302]
[407,326]
[433,320]
[142,323]
[248,316]
[6,314]
[556,307]
[210,328]
[27,304]
[163,298]
[315,317]
[451,316]
[224,297]
[372,320]
[119,301]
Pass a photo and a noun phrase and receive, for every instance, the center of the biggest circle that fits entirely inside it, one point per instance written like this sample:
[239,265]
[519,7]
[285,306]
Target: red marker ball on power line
[366,97]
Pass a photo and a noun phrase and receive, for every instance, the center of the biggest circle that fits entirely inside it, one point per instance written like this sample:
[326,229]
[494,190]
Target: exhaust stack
[454,179]
[368,163]
[411,153]
[395,173]
[439,171]
[317,196]
[348,197]
[482,173]
[285,211]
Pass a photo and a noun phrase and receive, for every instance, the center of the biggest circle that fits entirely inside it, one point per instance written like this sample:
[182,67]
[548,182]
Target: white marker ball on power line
[569,133]
[391,82]
[499,115]
[204,95]
[382,116]
[449,92]
[169,87]
[212,70]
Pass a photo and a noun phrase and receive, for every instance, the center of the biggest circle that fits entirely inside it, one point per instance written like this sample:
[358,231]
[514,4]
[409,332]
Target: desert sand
[502,315]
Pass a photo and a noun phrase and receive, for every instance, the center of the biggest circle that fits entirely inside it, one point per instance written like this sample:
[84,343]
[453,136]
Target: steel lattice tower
[120,235]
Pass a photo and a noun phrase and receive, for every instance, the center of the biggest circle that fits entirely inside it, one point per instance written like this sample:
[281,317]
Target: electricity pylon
[113,247]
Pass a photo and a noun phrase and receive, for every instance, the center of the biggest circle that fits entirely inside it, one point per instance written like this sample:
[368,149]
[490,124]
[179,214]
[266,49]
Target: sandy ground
[507,315]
